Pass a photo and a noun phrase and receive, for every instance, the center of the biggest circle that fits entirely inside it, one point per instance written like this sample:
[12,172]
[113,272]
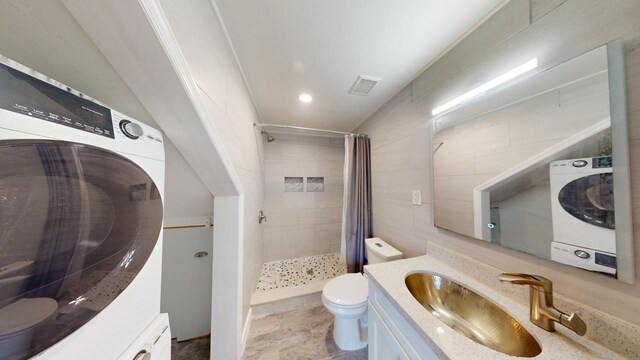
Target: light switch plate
[417,197]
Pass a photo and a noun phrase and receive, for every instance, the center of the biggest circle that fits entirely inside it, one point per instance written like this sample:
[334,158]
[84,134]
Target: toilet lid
[347,289]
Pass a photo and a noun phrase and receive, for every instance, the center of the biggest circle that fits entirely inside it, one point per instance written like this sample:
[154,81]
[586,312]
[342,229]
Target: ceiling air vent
[363,85]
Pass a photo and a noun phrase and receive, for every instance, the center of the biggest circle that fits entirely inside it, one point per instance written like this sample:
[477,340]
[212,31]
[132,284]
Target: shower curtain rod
[306,128]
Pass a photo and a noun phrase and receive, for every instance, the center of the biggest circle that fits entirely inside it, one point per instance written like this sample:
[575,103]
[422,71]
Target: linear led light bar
[511,74]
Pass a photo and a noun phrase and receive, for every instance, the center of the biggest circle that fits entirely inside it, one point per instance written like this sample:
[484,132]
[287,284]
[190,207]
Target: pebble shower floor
[300,271]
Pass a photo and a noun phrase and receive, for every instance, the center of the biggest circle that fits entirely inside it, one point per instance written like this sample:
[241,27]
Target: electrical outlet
[417,197]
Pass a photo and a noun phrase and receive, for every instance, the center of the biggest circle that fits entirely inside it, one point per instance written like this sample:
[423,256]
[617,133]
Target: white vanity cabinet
[391,337]
[382,343]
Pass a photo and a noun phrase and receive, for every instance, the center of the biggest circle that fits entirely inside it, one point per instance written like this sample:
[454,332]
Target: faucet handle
[542,312]
[261,217]
[574,322]
[537,281]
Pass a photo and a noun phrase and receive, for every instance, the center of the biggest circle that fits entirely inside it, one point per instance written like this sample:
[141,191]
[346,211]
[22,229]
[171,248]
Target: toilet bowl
[346,298]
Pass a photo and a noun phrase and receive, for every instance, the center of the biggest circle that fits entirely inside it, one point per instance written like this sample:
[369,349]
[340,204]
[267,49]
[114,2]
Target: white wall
[555,31]
[188,201]
[534,235]
[302,223]
[211,62]
[45,37]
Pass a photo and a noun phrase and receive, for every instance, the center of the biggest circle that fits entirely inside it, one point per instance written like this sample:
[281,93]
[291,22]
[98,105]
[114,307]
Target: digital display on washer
[27,95]
[606,260]
[602,162]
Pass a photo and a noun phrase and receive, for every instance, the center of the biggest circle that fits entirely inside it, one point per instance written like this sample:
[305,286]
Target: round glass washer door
[77,224]
[590,199]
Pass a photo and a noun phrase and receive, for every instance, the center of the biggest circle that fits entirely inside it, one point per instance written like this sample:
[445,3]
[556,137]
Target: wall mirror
[540,164]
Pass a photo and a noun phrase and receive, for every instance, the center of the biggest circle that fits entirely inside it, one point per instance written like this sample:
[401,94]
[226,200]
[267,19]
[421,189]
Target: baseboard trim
[245,330]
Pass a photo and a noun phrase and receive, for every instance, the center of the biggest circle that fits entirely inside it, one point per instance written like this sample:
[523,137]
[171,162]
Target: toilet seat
[346,291]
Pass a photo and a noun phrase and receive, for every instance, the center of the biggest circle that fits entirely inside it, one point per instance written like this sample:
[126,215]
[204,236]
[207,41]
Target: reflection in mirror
[531,167]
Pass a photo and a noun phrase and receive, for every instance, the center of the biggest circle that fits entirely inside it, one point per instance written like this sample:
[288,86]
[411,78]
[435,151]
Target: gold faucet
[542,311]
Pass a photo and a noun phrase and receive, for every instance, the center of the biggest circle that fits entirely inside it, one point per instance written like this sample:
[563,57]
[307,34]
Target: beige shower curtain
[356,218]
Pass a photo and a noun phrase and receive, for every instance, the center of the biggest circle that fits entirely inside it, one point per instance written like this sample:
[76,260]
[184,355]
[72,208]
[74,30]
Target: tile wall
[307,222]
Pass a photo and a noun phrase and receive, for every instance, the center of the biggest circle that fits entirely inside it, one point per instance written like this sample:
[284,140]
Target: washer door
[77,224]
[590,199]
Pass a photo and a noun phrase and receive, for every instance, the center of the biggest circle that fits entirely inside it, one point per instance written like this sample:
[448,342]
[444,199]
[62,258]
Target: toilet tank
[379,251]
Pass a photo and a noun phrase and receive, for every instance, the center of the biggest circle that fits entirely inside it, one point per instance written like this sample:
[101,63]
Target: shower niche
[293,184]
[315,184]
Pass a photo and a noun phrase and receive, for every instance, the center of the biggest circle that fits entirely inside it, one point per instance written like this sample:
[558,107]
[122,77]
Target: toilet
[346,298]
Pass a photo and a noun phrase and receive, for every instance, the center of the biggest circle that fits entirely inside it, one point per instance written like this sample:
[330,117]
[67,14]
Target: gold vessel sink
[472,315]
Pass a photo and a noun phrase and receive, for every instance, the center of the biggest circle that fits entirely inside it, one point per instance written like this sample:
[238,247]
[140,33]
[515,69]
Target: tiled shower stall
[303,205]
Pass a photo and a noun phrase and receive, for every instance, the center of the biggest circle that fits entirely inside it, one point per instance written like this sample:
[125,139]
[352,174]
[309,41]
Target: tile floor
[305,333]
[300,271]
[194,349]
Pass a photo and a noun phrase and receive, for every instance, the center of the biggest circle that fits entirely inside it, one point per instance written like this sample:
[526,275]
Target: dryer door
[77,224]
[590,199]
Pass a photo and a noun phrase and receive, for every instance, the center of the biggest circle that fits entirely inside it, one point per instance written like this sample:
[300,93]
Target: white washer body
[583,258]
[109,333]
[567,228]
[154,340]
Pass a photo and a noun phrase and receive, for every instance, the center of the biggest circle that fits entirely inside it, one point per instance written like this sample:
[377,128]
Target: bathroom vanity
[401,328]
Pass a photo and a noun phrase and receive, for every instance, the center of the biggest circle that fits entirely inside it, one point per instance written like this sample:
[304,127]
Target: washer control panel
[32,103]
[585,258]
[29,93]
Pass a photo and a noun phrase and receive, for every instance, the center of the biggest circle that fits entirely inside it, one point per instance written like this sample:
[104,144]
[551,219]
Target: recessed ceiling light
[305,98]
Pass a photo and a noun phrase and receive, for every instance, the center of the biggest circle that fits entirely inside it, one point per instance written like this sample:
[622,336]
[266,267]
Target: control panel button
[131,129]
[580,163]
[582,254]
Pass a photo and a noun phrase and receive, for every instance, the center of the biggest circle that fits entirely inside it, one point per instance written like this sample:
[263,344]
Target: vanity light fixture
[511,74]
[305,98]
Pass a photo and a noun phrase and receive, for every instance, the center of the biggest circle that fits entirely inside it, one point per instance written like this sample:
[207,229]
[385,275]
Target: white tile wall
[213,66]
[302,223]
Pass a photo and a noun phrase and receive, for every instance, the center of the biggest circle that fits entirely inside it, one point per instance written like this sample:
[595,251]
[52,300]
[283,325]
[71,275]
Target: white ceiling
[286,47]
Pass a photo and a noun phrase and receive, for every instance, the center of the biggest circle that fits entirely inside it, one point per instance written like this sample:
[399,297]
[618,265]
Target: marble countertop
[562,344]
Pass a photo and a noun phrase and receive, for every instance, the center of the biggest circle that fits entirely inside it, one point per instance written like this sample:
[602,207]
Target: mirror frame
[620,151]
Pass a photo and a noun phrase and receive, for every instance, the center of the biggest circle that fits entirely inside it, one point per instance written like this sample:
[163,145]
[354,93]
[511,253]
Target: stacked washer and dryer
[81,214]
[583,215]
